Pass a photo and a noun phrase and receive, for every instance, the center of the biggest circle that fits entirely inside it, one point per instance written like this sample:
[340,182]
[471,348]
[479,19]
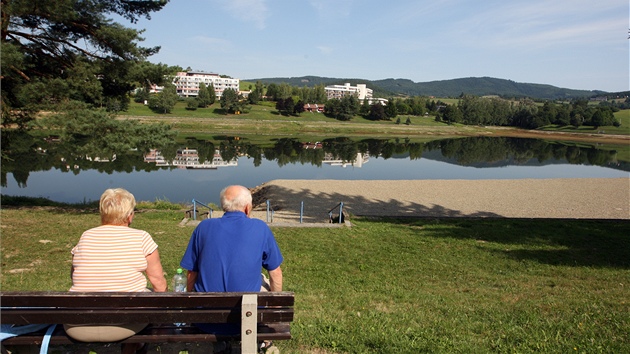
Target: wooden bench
[262,316]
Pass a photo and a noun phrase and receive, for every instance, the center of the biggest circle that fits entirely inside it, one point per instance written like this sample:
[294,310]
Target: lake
[60,175]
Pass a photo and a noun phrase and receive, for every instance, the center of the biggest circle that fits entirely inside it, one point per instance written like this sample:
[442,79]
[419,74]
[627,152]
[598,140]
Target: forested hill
[478,86]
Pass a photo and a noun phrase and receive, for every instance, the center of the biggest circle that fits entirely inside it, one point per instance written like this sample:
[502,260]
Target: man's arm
[191,276]
[275,279]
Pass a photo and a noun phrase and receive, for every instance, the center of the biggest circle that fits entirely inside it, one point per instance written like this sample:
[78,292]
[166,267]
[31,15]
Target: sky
[576,44]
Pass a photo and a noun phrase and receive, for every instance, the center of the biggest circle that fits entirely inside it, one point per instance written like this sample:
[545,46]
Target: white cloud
[585,33]
[539,24]
[253,11]
[324,49]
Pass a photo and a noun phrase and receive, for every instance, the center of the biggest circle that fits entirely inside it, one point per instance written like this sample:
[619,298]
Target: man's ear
[248,209]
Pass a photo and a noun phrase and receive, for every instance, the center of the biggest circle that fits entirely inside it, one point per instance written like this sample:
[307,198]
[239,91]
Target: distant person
[227,254]
[115,257]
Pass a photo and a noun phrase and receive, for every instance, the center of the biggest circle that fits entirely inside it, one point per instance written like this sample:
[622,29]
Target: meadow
[397,285]
[264,121]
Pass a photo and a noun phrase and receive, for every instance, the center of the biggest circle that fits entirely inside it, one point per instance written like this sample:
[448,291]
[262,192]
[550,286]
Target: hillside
[479,86]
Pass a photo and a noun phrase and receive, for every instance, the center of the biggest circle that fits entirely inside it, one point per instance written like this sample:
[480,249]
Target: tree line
[526,113]
[475,110]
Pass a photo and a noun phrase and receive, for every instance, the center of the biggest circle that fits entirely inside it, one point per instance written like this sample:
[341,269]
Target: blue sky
[577,44]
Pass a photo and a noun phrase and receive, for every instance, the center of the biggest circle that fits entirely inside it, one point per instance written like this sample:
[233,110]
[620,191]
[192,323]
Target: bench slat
[147,299]
[142,315]
[156,334]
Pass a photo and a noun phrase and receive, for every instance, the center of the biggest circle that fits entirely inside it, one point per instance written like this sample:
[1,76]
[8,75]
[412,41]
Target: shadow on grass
[563,242]
[566,242]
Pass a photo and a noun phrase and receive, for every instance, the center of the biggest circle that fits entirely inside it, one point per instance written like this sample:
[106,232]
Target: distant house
[314,107]
[382,101]
[310,145]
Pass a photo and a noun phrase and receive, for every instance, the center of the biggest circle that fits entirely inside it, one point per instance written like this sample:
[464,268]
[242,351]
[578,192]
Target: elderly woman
[114,257]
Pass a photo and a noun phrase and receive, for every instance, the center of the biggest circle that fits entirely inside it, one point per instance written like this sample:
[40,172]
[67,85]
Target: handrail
[194,209]
[269,209]
[335,207]
[340,205]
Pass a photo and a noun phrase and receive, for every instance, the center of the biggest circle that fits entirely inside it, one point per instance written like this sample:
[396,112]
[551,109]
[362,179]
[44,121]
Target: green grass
[158,204]
[264,120]
[622,116]
[400,286]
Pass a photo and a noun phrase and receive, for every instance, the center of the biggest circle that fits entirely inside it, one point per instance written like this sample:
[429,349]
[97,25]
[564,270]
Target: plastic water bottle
[179,281]
[179,285]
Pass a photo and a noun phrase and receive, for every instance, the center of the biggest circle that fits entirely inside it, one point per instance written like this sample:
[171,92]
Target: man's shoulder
[236,217]
[209,221]
[257,222]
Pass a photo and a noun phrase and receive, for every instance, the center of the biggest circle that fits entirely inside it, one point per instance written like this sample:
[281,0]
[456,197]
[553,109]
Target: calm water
[183,185]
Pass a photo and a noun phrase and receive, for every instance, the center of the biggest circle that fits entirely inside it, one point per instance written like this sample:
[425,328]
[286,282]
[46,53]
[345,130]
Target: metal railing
[270,211]
[194,209]
[330,212]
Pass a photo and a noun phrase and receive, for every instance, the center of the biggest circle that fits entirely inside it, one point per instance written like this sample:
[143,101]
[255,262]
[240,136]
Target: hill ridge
[478,86]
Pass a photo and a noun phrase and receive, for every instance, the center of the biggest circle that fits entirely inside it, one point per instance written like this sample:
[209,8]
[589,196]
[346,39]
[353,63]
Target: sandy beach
[579,198]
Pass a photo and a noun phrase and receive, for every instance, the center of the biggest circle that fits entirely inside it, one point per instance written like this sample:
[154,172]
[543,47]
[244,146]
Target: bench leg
[249,327]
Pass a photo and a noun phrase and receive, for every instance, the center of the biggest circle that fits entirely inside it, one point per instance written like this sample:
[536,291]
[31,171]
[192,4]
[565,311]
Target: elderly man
[228,253]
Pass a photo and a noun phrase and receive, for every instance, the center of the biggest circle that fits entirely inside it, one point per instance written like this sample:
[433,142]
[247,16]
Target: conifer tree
[49,47]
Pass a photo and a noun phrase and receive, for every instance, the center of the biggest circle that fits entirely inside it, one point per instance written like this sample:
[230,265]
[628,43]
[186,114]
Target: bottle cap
[180,271]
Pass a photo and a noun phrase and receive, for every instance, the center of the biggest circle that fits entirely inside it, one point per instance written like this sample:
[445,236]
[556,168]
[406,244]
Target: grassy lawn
[263,123]
[263,111]
[622,116]
[399,286]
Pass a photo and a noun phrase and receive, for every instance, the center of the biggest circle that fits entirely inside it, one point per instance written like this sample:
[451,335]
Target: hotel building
[187,83]
[338,91]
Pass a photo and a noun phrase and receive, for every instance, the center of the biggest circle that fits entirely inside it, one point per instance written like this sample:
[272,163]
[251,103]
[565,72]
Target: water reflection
[188,159]
[24,155]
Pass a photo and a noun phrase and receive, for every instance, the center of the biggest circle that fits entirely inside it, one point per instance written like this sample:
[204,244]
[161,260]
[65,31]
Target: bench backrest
[112,307]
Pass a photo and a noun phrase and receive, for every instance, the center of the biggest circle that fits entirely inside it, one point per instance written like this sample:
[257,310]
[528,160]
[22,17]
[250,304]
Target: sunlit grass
[399,286]
[159,204]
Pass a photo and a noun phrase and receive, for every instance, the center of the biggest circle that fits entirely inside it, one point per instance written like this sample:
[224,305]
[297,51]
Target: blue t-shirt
[229,252]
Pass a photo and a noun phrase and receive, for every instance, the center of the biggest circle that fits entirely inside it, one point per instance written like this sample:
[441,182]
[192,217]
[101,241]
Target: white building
[187,83]
[338,91]
[361,159]
[189,159]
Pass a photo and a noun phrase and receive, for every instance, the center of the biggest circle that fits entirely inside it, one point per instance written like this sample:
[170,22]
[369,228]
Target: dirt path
[579,198]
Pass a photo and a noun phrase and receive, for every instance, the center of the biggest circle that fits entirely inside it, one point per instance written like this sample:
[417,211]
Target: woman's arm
[155,273]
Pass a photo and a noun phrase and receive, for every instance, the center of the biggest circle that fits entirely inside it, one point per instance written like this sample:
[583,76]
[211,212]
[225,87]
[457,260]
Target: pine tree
[203,97]
[42,62]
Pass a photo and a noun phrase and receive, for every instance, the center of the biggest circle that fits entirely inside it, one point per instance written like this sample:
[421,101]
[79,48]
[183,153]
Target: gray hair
[235,198]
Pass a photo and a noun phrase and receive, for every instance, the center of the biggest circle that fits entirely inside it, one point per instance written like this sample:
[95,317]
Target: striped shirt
[111,258]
